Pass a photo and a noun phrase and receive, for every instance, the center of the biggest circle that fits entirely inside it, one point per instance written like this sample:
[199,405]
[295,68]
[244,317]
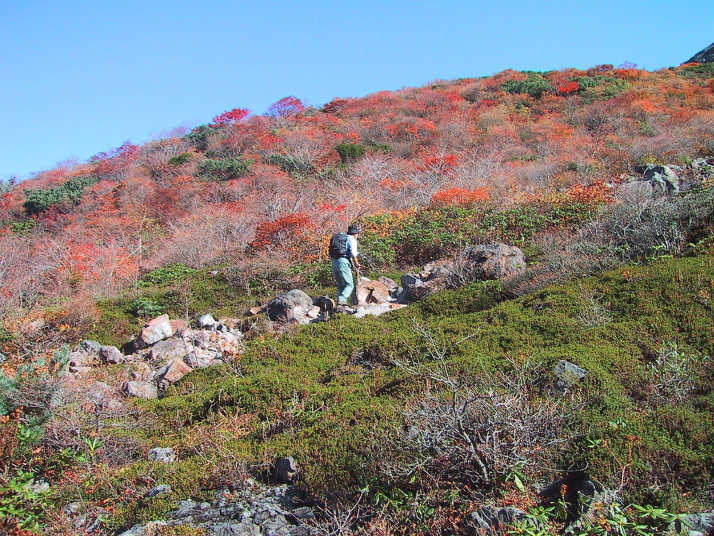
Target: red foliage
[115,162]
[438,163]
[569,87]
[286,107]
[230,117]
[334,106]
[281,232]
[459,197]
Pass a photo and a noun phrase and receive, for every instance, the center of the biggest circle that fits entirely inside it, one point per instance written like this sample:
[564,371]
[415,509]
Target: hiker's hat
[353,229]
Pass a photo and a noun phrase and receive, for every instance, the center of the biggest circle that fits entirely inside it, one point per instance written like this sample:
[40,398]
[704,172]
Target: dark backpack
[338,245]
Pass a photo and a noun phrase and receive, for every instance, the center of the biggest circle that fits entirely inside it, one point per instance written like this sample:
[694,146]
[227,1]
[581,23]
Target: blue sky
[80,77]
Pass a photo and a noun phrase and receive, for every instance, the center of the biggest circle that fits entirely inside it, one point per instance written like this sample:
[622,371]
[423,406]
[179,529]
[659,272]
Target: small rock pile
[164,352]
[253,511]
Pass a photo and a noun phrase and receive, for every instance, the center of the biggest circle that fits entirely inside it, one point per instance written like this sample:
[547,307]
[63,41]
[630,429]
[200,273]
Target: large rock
[369,292]
[662,178]
[494,261]
[289,306]
[169,349]
[422,289]
[157,330]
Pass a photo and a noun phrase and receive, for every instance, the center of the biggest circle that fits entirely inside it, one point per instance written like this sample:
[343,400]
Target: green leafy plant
[145,306]
[165,274]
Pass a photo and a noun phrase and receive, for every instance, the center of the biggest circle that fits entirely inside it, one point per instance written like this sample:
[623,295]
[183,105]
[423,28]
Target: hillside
[414,422]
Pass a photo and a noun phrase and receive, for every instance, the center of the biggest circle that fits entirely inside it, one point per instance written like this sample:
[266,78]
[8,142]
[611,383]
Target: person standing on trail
[345,257]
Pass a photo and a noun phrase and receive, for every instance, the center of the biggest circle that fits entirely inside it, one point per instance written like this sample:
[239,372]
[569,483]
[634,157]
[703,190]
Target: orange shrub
[595,193]
[459,197]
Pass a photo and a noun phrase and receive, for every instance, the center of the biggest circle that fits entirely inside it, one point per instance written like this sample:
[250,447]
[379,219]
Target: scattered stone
[104,396]
[111,355]
[38,485]
[82,371]
[568,374]
[173,371]
[169,349]
[257,310]
[662,178]
[207,321]
[162,454]
[140,389]
[161,489]
[491,520]
[254,511]
[696,524]
[80,359]
[89,347]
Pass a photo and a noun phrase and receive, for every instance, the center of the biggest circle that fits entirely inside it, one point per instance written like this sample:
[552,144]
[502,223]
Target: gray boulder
[662,178]
[169,349]
[290,306]
[207,322]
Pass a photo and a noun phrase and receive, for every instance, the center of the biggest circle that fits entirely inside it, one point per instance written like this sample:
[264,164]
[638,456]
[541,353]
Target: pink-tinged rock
[369,291]
[111,355]
[157,330]
[170,349]
[139,389]
[175,370]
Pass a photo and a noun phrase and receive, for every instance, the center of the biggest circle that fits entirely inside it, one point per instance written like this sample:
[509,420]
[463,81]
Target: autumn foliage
[278,183]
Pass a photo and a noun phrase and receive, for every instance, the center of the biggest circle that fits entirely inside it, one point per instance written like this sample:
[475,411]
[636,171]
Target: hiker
[343,251]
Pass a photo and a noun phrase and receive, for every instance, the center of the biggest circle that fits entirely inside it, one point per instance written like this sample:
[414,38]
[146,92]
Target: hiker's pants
[342,272]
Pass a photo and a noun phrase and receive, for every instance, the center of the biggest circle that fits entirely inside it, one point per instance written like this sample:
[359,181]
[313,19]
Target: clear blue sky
[79,77]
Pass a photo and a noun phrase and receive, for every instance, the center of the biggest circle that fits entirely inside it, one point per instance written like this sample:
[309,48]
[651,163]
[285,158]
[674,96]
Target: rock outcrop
[253,511]
[704,56]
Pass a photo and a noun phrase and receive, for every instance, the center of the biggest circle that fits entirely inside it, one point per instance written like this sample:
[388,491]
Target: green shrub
[535,86]
[181,159]
[165,274]
[350,151]
[226,169]
[71,191]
